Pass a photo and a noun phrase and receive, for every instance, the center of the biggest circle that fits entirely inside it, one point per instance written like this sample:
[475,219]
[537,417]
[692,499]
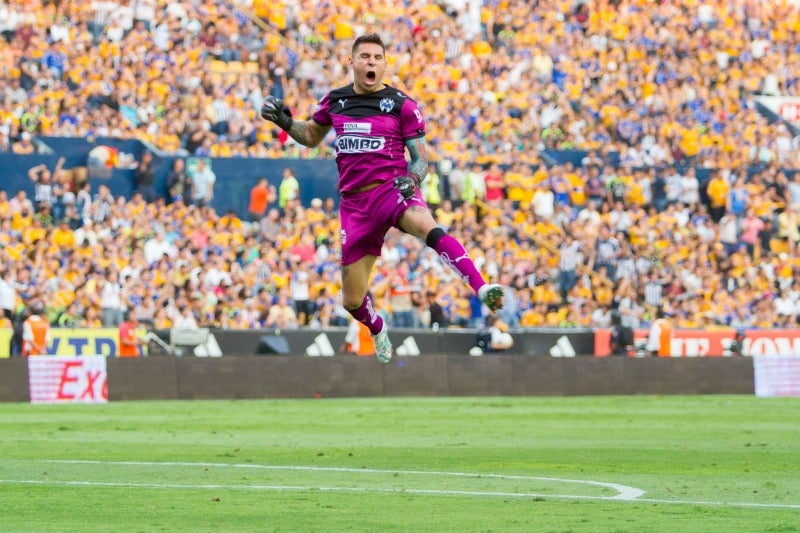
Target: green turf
[448,464]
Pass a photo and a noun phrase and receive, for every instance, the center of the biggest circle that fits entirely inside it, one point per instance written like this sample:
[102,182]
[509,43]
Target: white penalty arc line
[625,493]
[429,492]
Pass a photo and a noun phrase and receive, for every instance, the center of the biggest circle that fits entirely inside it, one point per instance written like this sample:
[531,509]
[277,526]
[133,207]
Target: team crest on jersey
[386,105]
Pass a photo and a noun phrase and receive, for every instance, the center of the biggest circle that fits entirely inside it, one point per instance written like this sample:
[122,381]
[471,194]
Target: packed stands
[675,191]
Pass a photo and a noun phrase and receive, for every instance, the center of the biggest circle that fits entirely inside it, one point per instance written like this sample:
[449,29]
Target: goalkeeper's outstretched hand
[274,110]
[407,185]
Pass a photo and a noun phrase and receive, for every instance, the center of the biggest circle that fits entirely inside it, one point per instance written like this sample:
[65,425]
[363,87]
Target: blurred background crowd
[684,198]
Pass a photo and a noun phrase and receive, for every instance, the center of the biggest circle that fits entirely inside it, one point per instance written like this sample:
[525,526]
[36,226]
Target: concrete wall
[288,376]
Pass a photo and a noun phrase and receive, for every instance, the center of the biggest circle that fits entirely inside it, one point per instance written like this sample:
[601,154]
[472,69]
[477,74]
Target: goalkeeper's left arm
[417,168]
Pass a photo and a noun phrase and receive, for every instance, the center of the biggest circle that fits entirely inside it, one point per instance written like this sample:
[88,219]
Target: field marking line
[431,492]
[629,495]
[422,492]
[624,492]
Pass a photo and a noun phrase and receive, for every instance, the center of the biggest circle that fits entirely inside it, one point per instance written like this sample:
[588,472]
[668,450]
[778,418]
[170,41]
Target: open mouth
[370,76]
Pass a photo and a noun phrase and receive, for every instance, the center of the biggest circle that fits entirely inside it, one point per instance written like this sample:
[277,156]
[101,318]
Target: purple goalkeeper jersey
[371,132]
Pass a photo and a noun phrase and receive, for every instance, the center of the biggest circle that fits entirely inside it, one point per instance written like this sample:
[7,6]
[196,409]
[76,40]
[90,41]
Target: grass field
[447,464]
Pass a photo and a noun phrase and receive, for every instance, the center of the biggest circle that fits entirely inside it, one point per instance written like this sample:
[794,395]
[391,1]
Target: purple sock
[456,256]
[366,315]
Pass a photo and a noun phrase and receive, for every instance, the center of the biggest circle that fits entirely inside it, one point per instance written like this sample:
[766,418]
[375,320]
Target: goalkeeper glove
[407,184]
[274,110]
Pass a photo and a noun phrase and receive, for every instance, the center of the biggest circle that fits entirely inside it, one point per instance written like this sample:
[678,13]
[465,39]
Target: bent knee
[417,221]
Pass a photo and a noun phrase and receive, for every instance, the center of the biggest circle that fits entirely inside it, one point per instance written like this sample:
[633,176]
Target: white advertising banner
[56,379]
[786,107]
[776,376]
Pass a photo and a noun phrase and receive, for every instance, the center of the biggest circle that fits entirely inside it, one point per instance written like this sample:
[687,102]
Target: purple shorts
[367,216]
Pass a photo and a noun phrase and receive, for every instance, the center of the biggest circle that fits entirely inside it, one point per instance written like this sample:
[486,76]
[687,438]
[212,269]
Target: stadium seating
[653,91]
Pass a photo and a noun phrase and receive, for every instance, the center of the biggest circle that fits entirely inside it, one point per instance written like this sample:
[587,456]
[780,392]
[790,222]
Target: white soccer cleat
[383,346]
[492,295]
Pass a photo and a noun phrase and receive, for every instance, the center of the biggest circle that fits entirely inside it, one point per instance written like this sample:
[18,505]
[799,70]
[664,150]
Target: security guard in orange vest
[660,340]
[35,332]
[358,340]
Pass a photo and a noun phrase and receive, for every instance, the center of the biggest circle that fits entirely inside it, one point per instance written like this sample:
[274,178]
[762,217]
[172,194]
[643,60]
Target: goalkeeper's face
[369,65]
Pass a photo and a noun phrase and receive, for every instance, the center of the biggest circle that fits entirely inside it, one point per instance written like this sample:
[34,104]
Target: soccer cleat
[383,346]
[492,295]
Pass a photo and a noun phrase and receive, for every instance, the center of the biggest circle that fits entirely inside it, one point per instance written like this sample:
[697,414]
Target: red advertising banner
[57,379]
[715,342]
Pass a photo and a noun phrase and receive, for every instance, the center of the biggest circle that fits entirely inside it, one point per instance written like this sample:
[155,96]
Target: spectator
[437,318]
[179,184]
[431,188]
[738,198]
[493,338]
[751,226]
[289,189]
[203,179]
[35,332]
[400,302]
[158,247]
[260,196]
[129,342]
[145,176]
[570,256]
[300,293]
[185,319]
[621,336]
[8,292]
[111,300]
[789,226]
[43,184]
[495,186]
[717,190]
[20,203]
[281,315]
[14,94]
[24,145]
[270,226]
[659,339]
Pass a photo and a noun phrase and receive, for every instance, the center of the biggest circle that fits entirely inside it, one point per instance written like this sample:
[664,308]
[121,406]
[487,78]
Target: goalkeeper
[375,124]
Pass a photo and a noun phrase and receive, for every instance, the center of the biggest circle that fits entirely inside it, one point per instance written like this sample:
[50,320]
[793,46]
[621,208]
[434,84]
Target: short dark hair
[372,38]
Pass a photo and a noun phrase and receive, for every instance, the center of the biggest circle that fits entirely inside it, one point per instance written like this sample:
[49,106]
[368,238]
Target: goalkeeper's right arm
[306,132]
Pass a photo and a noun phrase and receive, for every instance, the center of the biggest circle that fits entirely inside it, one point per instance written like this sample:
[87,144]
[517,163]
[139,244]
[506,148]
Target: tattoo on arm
[345,271]
[307,132]
[419,160]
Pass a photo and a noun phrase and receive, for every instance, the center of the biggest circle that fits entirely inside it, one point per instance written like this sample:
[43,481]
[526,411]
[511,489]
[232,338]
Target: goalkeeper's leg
[419,221]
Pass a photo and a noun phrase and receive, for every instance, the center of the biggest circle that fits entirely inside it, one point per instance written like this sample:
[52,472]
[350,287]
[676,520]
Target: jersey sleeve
[412,124]
[322,113]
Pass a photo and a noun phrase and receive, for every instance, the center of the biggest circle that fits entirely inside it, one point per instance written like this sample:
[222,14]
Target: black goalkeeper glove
[407,184]
[274,110]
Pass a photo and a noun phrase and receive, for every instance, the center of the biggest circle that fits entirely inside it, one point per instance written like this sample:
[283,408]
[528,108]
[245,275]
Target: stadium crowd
[654,93]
